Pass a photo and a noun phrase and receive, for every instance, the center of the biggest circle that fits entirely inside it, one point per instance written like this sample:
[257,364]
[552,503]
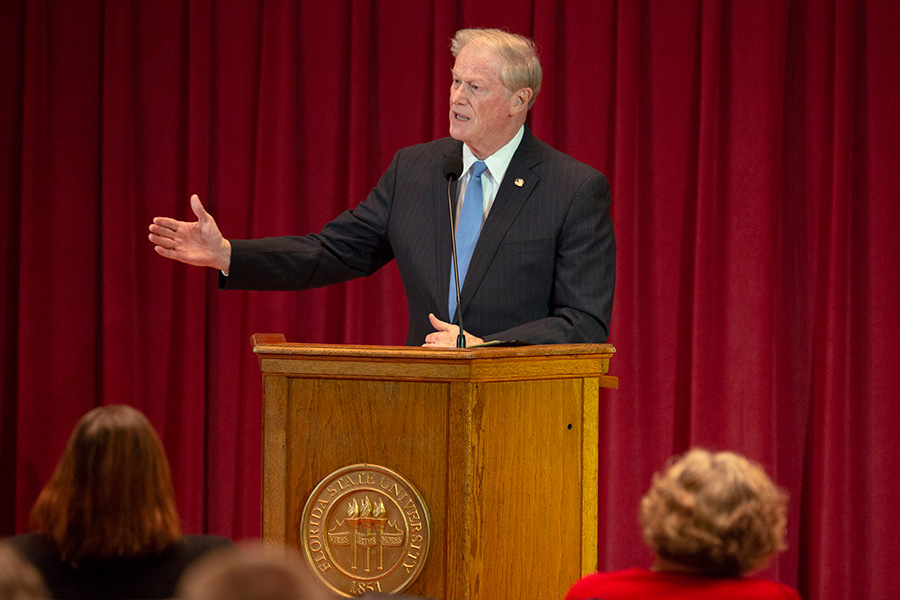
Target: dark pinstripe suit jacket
[543,270]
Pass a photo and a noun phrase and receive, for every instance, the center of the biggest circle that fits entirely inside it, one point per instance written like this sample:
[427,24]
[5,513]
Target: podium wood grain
[500,442]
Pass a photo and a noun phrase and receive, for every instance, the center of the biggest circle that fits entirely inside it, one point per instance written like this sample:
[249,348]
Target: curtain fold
[752,149]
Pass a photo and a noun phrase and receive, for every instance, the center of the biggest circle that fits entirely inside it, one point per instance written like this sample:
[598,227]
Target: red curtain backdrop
[753,150]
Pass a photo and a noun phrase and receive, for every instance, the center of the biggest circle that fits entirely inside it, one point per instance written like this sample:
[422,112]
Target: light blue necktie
[467,229]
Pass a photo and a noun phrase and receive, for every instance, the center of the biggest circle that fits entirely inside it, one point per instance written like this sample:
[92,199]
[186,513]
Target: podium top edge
[271,344]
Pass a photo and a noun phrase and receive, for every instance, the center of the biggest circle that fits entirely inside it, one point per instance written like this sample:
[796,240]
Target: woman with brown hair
[105,525]
[711,519]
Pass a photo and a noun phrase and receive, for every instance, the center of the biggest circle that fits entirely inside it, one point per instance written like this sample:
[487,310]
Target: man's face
[480,105]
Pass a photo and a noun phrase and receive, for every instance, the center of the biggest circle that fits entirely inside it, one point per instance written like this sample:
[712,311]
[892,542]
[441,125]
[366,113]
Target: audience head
[111,494]
[714,513]
[18,579]
[253,572]
[521,68]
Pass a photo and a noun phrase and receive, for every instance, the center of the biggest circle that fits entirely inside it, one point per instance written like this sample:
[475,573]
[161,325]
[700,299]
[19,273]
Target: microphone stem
[461,338]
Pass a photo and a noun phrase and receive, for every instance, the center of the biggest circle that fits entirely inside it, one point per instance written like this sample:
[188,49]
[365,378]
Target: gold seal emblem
[365,528]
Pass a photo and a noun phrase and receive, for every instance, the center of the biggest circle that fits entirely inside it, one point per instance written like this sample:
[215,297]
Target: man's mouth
[460,117]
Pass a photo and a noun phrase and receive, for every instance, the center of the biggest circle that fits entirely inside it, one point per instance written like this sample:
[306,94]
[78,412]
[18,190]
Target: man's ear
[520,100]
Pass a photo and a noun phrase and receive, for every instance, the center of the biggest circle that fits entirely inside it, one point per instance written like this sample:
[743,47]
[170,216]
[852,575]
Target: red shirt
[633,584]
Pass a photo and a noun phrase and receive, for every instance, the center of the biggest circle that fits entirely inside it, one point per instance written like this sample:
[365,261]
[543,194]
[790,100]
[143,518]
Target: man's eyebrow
[476,79]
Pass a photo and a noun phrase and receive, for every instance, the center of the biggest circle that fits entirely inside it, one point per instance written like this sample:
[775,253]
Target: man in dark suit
[543,266]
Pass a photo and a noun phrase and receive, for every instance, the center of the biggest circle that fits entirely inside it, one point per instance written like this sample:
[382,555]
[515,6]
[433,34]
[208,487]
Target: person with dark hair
[711,519]
[105,525]
[18,579]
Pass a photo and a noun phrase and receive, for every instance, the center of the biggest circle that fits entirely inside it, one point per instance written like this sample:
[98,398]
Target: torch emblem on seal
[365,528]
[368,529]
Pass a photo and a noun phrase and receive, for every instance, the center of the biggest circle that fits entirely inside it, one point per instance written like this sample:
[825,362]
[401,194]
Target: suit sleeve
[584,275]
[355,244]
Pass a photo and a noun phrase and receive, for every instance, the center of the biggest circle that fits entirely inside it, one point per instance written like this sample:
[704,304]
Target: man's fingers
[163,223]
[162,241]
[198,209]
[165,252]
[437,323]
[439,338]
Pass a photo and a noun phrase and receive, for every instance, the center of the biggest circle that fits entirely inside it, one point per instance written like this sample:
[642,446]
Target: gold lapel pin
[519,182]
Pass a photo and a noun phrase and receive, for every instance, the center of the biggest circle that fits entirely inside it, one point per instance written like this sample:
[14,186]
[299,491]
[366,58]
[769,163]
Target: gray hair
[521,66]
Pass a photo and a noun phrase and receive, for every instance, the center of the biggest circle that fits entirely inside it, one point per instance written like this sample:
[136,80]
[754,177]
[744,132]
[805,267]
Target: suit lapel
[507,204]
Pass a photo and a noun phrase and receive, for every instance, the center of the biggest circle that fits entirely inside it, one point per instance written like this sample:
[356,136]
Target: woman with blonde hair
[105,525]
[252,571]
[711,519]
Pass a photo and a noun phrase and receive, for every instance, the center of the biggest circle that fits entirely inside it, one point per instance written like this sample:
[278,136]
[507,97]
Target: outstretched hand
[199,243]
[446,334]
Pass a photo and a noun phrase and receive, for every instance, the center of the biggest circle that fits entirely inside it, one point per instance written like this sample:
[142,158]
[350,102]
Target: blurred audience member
[105,525]
[386,596]
[711,520]
[18,579]
[253,572]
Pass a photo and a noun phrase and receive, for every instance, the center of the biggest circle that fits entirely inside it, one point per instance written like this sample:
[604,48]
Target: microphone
[453,167]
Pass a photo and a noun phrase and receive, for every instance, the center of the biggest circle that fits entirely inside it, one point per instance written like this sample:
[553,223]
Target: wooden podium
[500,442]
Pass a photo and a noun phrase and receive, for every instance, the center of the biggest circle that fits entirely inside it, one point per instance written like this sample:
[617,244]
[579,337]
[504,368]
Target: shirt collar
[498,162]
